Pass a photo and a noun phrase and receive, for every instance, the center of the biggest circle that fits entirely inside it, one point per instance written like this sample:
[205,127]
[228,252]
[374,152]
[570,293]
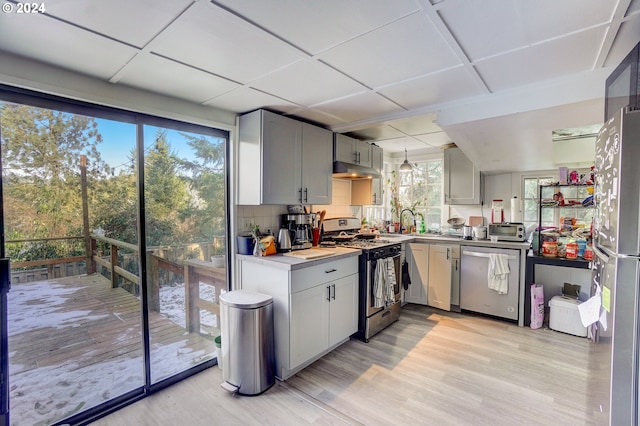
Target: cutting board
[309,253]
[475,221]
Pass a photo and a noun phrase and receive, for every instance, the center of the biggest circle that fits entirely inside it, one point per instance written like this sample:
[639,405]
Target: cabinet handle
[328,271]
[447,254]
[456,265]
[333,287]
[329,293]
[375,198]
[306,194]
[300,196]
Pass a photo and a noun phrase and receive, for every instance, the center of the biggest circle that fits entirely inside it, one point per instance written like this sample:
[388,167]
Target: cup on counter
[315,232]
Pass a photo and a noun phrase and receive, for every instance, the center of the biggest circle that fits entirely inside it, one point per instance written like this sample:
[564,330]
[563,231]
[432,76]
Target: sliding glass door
[185,222]
[69,206]
[116,227]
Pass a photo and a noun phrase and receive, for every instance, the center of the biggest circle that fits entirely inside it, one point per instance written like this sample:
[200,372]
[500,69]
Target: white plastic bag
[537,306]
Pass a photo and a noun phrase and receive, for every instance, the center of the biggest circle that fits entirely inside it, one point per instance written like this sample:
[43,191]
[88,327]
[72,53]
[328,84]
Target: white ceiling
[493,76]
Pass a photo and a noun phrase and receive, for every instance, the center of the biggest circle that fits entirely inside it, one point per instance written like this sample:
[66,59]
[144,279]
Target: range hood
[344,170]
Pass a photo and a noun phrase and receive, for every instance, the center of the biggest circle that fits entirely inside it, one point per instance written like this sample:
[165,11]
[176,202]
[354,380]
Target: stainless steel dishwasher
[475,294]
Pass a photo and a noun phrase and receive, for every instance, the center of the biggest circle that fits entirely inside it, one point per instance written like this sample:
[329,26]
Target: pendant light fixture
[405,167]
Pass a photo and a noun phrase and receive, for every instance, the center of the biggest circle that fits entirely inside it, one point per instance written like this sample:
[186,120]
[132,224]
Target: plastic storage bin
[564,316]
[248,350]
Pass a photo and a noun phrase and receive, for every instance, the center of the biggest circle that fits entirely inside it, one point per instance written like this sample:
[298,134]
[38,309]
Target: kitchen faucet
[412,214]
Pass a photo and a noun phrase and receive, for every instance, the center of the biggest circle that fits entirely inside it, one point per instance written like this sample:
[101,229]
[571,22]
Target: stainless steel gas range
[379,274]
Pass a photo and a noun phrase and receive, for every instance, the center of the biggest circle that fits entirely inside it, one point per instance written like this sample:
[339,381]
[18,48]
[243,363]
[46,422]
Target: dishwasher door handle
[478,254]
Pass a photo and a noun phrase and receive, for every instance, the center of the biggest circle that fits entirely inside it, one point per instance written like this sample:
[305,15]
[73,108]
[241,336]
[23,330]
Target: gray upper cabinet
[283,161]
[352,151]
[366,192]
[461,178]
[376,158]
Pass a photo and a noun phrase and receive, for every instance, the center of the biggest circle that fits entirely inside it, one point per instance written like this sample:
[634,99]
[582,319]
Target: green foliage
[184,196]
[41,152]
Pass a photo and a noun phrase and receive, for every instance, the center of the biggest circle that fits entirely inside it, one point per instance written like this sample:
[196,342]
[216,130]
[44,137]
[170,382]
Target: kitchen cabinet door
[366,192]
[376,189]
[317,166]
[418,261]
[283,161]
[461,178]
[282,151]
[309,323]
[343,309]
[351,150]
[440,276]
[377,159]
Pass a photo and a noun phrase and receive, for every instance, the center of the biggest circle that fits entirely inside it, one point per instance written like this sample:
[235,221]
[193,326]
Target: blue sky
[119,139]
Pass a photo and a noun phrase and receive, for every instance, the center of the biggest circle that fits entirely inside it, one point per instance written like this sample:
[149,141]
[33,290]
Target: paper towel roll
[517,215]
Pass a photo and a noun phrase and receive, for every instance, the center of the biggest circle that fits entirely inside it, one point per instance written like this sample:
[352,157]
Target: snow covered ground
[42,395]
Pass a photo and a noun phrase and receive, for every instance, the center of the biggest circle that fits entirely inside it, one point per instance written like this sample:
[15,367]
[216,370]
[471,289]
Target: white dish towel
[498,276]
[379,284]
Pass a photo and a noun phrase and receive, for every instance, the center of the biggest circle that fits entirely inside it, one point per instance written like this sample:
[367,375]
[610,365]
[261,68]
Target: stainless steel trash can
[248,351]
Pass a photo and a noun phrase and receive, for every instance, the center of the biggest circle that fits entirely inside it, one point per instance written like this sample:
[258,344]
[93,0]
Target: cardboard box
[564,316]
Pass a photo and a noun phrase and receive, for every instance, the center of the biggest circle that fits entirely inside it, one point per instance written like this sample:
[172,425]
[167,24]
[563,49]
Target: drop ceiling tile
[437,88]
[434,139]
[157,74]
[376,132]
[213,39]
[407,48]
[65,45]
[120,19]
[416,125]
[633,7]
[320,25]
[492,27]
[359,107]
[562,57]
[398,145]
[626,39]
[320,118]
[245,99]
[308,82]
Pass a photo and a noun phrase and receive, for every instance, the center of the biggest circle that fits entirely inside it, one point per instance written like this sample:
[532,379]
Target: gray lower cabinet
[315,307]
[417,256]
[444,273]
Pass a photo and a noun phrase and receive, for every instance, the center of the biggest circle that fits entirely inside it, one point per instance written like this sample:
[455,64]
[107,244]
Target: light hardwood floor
[429,368]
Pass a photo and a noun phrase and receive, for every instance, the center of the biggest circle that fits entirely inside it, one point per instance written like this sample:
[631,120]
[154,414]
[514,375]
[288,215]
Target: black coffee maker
[300,225]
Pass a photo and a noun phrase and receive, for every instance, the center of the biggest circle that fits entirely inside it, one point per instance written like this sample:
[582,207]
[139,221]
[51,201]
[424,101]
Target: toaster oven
[507,231]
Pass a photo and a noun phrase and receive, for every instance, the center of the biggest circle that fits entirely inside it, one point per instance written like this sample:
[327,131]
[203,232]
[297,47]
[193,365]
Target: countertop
[426,238]
[292,263]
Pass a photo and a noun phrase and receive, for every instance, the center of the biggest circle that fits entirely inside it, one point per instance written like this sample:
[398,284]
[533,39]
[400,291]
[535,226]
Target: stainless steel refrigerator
[616,266]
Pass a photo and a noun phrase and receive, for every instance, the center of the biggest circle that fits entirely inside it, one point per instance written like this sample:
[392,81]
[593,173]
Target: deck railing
[193,271]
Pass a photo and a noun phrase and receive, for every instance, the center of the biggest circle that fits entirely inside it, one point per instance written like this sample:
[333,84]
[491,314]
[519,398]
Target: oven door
[391,274]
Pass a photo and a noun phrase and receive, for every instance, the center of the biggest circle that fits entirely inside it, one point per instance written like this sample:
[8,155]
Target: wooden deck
[75,342]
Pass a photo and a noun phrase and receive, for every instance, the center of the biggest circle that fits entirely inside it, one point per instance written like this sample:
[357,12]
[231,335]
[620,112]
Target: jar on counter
[550,249]
[572,250]
[588,252]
